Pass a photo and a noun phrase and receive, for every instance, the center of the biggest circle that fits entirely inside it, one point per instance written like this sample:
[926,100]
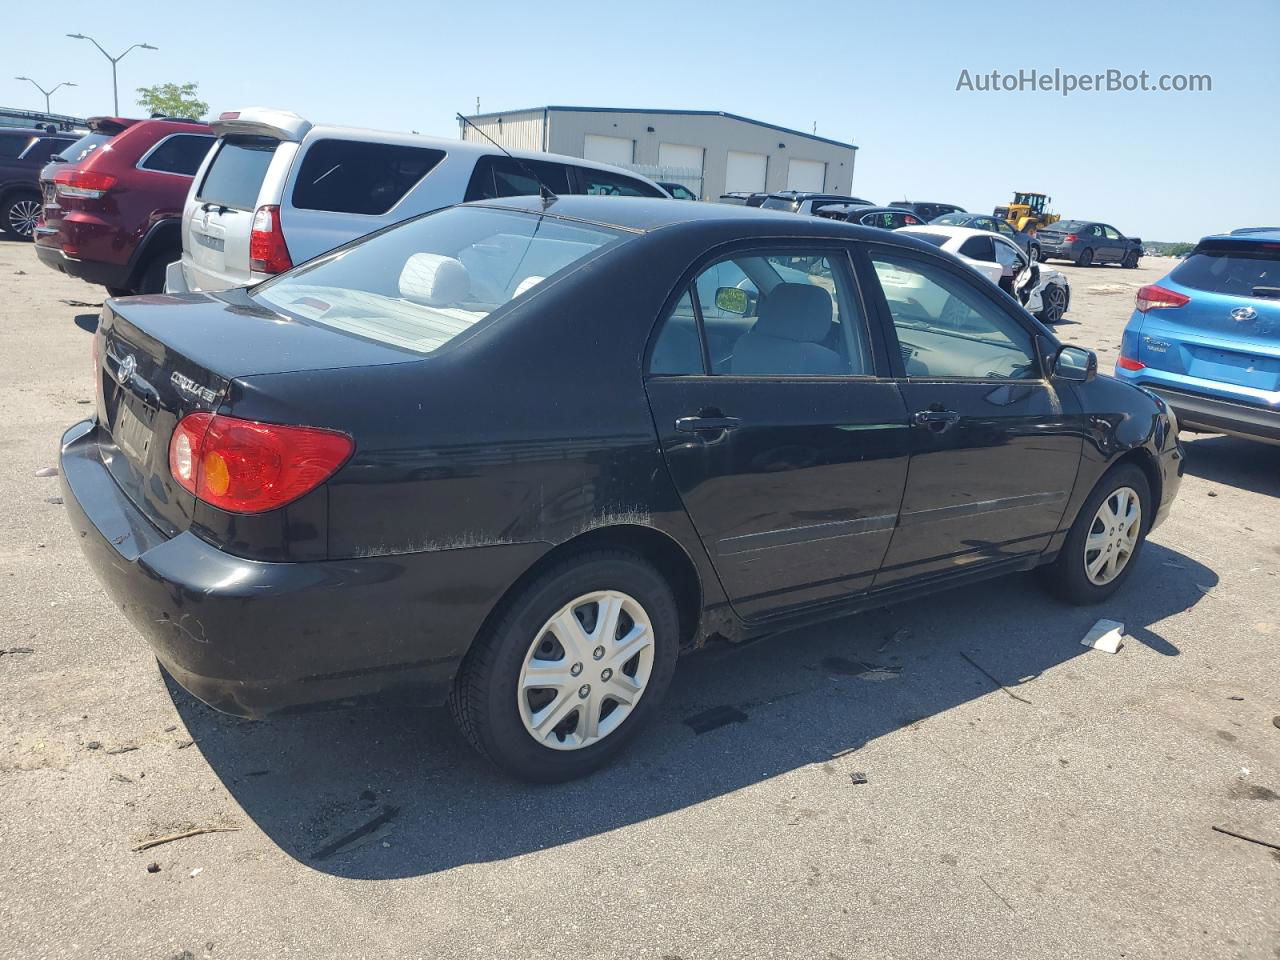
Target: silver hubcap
[23,216]
[586,670]
[1113,536]
[1057,300]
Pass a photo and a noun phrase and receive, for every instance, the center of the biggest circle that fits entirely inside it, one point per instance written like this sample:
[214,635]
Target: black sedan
[522,455]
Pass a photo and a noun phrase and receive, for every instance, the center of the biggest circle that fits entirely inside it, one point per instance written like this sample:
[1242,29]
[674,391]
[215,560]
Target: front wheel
[576,665]
[1130,260]
[1086,258]
[1104,542]
[19,214]
[1054,300]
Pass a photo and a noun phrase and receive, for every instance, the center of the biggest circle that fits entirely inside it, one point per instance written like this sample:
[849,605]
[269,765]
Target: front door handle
[928,418]
[700,424]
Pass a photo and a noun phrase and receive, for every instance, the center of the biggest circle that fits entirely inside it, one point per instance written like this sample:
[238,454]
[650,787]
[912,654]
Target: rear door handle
[930,417]
[699,424]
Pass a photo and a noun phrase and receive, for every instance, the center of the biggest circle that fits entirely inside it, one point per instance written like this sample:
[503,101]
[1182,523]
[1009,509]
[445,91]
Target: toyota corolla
[520,455]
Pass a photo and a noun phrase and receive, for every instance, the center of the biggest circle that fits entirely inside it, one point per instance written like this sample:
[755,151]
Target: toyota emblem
[128,367]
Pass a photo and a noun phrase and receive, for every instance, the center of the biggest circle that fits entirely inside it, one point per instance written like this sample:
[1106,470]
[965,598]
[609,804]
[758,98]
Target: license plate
[213,243]
[132,433]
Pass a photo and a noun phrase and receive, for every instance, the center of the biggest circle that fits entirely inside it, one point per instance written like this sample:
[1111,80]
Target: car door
[994,445]
[1113,242]
[790,450]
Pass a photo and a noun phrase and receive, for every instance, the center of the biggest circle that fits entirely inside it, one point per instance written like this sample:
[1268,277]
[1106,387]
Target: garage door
[806,175]
[615,150]
[681,156]
[745,172]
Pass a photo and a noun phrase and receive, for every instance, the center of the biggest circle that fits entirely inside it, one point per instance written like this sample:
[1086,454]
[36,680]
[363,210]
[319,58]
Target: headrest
[525,285]
[795,311]
[434,279]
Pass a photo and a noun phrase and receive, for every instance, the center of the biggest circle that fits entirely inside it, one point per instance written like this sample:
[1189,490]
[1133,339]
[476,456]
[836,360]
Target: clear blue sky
[1167,166]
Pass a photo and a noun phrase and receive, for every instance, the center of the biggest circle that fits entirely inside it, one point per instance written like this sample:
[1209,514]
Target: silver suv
[277,190]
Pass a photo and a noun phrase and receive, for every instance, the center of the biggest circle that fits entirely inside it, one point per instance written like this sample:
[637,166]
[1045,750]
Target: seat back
[787,338]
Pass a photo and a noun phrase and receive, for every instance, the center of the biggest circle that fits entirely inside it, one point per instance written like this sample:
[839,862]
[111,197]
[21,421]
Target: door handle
[700,424]
[927,418]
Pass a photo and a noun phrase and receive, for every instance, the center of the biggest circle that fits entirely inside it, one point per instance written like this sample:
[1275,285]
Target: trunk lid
[159,358]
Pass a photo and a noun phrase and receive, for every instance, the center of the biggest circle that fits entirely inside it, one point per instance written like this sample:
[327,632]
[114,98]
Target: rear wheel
[19,213]
[1105,540]
[1086,258]
[578,662]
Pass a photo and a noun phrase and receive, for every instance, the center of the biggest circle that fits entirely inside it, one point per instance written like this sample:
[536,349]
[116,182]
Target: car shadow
[88,322]
[1234,462]
[391,790]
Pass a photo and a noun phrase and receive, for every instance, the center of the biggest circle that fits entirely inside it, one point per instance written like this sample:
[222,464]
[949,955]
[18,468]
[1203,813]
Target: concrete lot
[1073,820]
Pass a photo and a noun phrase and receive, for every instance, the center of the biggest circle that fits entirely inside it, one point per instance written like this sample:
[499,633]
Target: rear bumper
[253,638]
[91,271]
[1209,414]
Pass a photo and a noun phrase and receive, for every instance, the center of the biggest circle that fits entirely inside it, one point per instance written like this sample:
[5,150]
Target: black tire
[1086,258]
[1054,304]
[1033,251]
[1066,576]
[1130,261]
[18,214]
[484,700]
[151,279]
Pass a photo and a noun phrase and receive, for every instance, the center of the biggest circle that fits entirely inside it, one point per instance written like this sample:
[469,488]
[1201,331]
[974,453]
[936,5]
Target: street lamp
[47,93]
[115,95]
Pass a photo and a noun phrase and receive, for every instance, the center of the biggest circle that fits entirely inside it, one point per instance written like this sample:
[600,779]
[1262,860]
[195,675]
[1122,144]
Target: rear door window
[977,248]
[12,146]
[44,148]
[235,177]
[180,153]
[610,184]
[496,177]
[353,176]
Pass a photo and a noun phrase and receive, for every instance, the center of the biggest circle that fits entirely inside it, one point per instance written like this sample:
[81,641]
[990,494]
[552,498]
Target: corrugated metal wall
[523,130]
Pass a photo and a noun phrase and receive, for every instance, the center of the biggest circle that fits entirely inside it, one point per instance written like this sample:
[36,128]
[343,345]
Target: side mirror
[1076,364]
[733,300]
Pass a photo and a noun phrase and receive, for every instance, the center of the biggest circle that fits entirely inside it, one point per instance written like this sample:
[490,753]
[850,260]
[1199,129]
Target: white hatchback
[276,190]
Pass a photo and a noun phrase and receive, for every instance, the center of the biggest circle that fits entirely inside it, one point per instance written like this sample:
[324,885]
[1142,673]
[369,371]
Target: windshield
[420,284]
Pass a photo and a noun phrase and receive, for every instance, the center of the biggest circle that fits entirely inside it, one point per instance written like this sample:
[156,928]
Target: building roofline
[660,111]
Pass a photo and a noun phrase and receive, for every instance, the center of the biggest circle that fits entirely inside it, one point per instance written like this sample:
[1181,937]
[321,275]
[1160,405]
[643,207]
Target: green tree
[172,100]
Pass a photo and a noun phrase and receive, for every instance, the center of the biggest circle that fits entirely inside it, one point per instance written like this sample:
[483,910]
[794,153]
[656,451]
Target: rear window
[236,174]
[1069,225]
[1243,270]
[418,285]
[609,184]
[181,153]
[496,177]
[351,176]
[937,239]
[778,203]
[951,219]
[85,146]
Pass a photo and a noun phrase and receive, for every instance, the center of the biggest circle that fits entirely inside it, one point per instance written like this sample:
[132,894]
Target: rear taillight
[82,183]
[1071,238]
[267,250]
[1128,363]
[1152,297]
[247,467]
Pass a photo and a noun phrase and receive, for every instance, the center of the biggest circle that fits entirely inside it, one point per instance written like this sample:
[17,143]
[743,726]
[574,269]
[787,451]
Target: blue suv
[1206,338]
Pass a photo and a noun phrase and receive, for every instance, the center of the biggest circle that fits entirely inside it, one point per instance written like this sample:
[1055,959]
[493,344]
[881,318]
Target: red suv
[112,210]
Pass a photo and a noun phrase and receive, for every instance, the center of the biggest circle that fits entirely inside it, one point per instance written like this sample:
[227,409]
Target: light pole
[47,93]
[115,95]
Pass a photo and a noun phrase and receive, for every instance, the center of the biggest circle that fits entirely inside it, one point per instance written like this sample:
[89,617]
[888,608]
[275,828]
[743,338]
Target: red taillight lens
[1071,238]
[1152,297]
[247,467]
[267,250]
[1128,363]
[82,183]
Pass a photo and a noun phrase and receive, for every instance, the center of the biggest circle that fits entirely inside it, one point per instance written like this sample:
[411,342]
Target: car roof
[1255,234]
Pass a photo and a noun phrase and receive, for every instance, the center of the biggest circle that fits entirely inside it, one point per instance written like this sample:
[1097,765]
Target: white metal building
[710,152]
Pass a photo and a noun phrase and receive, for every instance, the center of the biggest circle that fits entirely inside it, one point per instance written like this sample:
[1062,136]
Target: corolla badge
[192,389]
[1244,313]
[128,367]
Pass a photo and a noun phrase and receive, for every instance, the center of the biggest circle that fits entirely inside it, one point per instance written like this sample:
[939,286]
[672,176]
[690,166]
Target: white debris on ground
[1104,635]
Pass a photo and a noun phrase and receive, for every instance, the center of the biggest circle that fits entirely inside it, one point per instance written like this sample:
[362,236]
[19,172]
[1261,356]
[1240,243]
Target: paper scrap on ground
[1104,635]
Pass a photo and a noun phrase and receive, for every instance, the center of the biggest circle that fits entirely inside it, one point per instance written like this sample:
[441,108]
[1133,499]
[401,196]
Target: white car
[275,190]
[1045,293]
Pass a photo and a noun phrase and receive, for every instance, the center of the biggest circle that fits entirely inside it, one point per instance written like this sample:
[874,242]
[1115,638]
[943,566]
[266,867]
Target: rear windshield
[1068,225]
[952,219]
[778,203]
[350,176]
[236,174]
[420,284]
[85,146]
[1237,270]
